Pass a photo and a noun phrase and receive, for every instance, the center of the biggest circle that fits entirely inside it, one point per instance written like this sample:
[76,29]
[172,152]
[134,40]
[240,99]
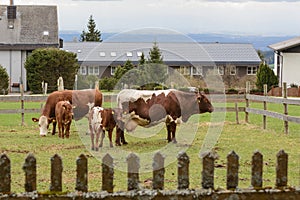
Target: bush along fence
[280,191]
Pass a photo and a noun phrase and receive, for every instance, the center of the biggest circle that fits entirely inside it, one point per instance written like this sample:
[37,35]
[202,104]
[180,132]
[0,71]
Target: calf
[101,120]
[64,116]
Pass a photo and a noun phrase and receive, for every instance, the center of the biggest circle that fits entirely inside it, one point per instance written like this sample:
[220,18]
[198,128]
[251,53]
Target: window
[83,70]
[113,54]
[251,70]
[129,54]
[232,70]
[112,70]
[185,70]
[93,70]
[102,54]
[139,53]
[197,70]
[220,70]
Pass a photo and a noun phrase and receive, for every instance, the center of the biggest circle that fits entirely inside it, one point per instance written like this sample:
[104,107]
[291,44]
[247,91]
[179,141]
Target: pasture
[244,139]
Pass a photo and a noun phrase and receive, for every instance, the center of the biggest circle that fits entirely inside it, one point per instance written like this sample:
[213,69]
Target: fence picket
[232,170]
[208,165]
[56,173]
[281,169]
[133,165]
[183,171]
[5,176]
[158,171]
[257,170]
[29,168]
[107,173]
[82,173]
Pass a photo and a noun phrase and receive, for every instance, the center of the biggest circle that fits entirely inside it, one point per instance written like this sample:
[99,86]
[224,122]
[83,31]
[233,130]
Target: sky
[242,17]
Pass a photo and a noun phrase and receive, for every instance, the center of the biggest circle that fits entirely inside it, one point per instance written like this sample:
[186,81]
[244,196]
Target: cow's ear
[199,98]
[51,120]
[35,119]
[112,112]
[64,107]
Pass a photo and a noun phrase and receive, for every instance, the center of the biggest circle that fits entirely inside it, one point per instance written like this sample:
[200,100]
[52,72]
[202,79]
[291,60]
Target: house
[24,28]
[286,60]
[190,59]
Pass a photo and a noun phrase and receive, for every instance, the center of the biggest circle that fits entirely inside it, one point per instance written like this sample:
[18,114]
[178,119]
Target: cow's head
[43,124]
[204,103]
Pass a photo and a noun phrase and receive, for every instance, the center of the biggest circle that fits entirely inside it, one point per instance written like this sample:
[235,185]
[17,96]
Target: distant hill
[259,42]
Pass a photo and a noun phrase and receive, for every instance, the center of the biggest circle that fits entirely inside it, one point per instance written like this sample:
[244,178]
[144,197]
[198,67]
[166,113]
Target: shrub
[4,80]
[265,75]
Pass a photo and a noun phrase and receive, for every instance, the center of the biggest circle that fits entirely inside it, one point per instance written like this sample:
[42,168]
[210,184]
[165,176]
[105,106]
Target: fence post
[265,106]
[286,123]
[158,171]
[107,174]
[247,101]
[82,173]
[236,113]
[29,168]
[281,169]
[133,165]
[22,104]
[257,170]
[183,171]
[208,164]
[5,176]
[60,84]
[56,173]
[232,170]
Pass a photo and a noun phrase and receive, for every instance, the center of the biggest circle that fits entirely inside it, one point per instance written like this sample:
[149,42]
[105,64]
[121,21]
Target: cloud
[243,1]
[97,0]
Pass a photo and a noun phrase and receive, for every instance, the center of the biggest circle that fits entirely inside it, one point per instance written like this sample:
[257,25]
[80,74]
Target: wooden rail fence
[183,176]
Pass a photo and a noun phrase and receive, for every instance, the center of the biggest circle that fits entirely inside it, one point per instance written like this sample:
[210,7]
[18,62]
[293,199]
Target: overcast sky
[259,17]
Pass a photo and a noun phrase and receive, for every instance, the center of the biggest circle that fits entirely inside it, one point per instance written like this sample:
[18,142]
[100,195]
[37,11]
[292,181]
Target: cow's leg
[171,128]
[63,131]
[118,135]
[102,137]
[59,130]
[122,136]
[68,130]
[92,139]
[54,127]
[110,137]
[97,139]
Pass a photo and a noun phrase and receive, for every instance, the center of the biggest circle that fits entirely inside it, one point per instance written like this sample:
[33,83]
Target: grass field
[244,139]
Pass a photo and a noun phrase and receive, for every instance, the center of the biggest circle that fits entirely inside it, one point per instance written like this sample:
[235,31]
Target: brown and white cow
[148,108]
[83,100]
[64,116]
[101,120]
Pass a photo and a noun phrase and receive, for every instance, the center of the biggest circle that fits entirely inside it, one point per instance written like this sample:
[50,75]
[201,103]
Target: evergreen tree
[4,79]
[155,55]
[92,34]
[48,65]
[265,75]
[142,60]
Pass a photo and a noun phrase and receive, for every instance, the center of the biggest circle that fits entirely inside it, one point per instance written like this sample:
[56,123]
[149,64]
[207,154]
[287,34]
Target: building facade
[287,60]
[23,29]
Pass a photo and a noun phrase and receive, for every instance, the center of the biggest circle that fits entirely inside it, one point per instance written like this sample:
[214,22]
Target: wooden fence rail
[207,182]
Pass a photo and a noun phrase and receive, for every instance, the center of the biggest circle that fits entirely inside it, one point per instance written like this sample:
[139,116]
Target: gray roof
[172,52]
[286,44]
[34,26]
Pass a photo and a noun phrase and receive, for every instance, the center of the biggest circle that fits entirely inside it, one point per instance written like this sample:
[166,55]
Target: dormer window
[46,33]
[102,54]
[129,54]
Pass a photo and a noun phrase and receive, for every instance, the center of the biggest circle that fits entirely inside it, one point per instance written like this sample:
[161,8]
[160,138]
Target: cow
[149,108]
[101,120]
[64,116]
[83,100]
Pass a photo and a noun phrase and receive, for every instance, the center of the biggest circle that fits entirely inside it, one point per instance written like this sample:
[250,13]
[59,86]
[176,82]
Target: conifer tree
[92,34]
[265,75]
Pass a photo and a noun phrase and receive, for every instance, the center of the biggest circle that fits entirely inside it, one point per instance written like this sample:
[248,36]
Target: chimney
[11,10]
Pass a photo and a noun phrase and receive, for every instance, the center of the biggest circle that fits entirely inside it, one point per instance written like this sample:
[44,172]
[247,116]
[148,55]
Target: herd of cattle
[135,108]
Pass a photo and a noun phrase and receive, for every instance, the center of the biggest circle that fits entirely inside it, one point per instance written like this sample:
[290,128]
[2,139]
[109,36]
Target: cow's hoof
[118,144]
[174,141]
[97,149]
[111,145]
[93,149]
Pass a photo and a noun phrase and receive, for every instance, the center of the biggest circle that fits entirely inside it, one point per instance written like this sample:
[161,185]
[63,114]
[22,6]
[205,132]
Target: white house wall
[13,61]
[291,67]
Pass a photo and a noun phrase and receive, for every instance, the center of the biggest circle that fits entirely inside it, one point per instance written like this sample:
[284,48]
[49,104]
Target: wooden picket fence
[183,177]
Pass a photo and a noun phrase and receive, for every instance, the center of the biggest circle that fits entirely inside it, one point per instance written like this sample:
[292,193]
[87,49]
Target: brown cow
[101,120]
[82,99]
[148,108]
[64,116]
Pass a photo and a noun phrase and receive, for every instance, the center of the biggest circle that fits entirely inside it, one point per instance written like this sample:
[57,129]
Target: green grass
[244,139]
